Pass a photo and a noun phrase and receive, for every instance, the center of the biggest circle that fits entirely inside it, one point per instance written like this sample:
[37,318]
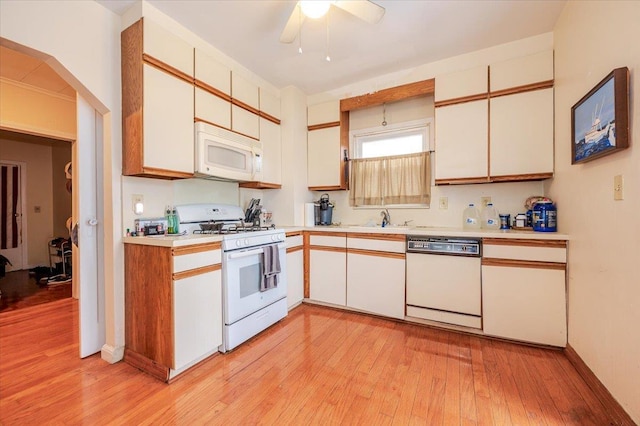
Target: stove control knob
[238,243]
[246,242]
[274,238]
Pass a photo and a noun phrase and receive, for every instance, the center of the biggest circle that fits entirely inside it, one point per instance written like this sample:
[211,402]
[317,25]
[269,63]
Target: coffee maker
[323,210]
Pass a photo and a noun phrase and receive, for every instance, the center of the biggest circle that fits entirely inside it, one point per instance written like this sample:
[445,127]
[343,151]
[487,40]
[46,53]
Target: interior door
[87,270]
[11,208]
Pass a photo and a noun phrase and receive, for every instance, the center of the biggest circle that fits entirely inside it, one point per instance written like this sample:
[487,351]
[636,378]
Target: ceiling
[411,33]
[34,72]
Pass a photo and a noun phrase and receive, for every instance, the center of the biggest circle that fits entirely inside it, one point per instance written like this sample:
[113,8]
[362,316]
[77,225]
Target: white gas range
[254,279]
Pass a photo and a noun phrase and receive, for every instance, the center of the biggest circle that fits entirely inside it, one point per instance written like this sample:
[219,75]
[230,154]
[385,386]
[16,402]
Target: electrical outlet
[444,203]
[137,201]
[484,201]
[618,187]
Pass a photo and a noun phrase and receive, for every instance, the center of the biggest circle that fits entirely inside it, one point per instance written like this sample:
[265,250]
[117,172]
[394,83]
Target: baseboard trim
[602,393]
[143,363]
[112,354]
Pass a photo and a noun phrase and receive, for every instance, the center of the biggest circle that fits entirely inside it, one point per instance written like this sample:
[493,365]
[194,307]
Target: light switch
[444,203]
[618,187]
[137,201]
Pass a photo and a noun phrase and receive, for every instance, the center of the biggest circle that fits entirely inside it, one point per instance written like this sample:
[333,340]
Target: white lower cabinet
[328,268]
[524,291]
[525,304]
[375,283]
[197,307]
[295,270]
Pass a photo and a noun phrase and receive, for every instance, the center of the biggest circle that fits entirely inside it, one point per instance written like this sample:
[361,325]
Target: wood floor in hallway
[318,366]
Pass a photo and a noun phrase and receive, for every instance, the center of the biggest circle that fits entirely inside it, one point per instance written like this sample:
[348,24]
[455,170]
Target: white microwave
[226,155]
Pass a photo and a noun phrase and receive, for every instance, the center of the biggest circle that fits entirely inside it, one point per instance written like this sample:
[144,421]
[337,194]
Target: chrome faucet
[386,217]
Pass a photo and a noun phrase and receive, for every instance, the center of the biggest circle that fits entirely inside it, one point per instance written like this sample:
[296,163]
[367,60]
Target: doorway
[86,131]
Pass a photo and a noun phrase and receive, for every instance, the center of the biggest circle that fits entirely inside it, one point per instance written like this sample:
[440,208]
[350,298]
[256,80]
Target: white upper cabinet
[245,91]
[522,71]
[462,141]
[271,152]
[522,133]
[212,108]
[245,122]
[459,84]
[323,157]
[212,72]
[168,122]
[269,104]
[167,47]
[328,112]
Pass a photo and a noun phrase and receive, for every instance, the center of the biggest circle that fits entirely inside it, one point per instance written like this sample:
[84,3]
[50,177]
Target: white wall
[37,157]
[604,252]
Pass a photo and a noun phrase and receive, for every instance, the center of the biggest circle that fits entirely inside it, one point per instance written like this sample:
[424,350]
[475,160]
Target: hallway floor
[21,289]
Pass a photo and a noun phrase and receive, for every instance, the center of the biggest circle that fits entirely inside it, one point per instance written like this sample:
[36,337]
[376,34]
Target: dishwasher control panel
[444,245]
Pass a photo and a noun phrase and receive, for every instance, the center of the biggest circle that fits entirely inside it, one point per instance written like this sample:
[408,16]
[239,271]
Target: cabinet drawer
[189,261]
[328,241]
[377,245]
[537,253]
[294,241]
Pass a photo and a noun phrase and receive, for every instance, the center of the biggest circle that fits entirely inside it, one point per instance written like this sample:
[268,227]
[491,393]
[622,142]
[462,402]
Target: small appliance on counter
[151,227]
[323,211]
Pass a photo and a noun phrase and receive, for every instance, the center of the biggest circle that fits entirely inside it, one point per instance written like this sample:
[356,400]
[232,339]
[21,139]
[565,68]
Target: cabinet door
[197,316]
[244,91]
[328,276]
[295,278]
[271,151]
[522,133]
[213,109]
[376,284]
[212,72]
[167,47]
[522,71]
[168,122]
[269,104]
[245,122]
[327,112]
[462,141]
[468,82]
[323,157]
[527,304]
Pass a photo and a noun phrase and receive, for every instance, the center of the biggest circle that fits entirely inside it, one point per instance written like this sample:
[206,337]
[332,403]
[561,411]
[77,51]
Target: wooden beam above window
[393,94]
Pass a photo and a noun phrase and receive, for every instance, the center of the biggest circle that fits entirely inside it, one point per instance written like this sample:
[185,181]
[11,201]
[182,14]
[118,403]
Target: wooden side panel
[131,70]
[148,302]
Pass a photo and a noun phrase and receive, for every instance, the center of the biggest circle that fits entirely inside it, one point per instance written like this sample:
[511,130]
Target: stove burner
[221,228]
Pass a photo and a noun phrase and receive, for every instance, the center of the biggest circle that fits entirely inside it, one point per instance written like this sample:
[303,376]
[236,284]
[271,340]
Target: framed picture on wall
[600,120]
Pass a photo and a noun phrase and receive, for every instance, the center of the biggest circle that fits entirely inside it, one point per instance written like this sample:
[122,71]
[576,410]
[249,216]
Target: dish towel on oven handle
[271,265]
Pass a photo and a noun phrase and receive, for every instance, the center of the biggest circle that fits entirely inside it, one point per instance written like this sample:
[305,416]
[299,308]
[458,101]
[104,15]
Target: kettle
[323,210]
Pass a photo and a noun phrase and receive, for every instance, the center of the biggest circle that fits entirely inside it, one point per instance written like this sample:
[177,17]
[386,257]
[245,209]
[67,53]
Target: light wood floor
[318,366]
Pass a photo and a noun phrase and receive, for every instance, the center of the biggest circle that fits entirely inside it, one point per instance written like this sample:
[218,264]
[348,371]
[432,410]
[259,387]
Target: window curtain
[402,179]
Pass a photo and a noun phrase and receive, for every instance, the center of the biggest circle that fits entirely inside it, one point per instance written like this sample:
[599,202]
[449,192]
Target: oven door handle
[248,253]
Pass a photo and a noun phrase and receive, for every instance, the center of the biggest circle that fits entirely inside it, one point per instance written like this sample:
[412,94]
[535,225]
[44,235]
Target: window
[391,165]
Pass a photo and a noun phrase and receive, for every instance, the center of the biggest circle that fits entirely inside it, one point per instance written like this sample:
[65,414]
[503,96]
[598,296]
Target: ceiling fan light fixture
[314,9]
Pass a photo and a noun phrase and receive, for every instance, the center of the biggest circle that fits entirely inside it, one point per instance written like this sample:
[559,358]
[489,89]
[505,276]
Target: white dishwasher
[444,280]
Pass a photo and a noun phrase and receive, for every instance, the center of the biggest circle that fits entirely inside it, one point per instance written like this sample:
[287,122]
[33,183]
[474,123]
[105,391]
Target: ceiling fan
[363,9]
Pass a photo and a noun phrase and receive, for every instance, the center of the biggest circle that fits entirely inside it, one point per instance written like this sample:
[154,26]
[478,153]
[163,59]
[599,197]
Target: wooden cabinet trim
[525,242]
[293,233]
[259,185]
[521,89]
[375,253]
[323,126]
[197,271]
[244,106]
[461,100]
[161,173]
[462,181]
[327,248]
[132,86]
[212,90]
[325,188]
[383,237]
[271,118]
[294,249]
[392,94]
[147,365]
[196,248]
[509,263]
[156,63]
[327,234]
[305,263]
[521,178]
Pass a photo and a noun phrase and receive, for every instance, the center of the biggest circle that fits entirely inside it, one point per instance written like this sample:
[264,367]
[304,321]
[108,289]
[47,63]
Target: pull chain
[384,114]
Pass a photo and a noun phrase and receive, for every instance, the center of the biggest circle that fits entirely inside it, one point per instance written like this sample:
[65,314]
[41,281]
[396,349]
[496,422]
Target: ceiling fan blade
[292,28]
[363,9]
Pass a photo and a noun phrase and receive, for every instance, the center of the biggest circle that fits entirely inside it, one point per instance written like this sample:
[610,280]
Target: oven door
[242,275]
